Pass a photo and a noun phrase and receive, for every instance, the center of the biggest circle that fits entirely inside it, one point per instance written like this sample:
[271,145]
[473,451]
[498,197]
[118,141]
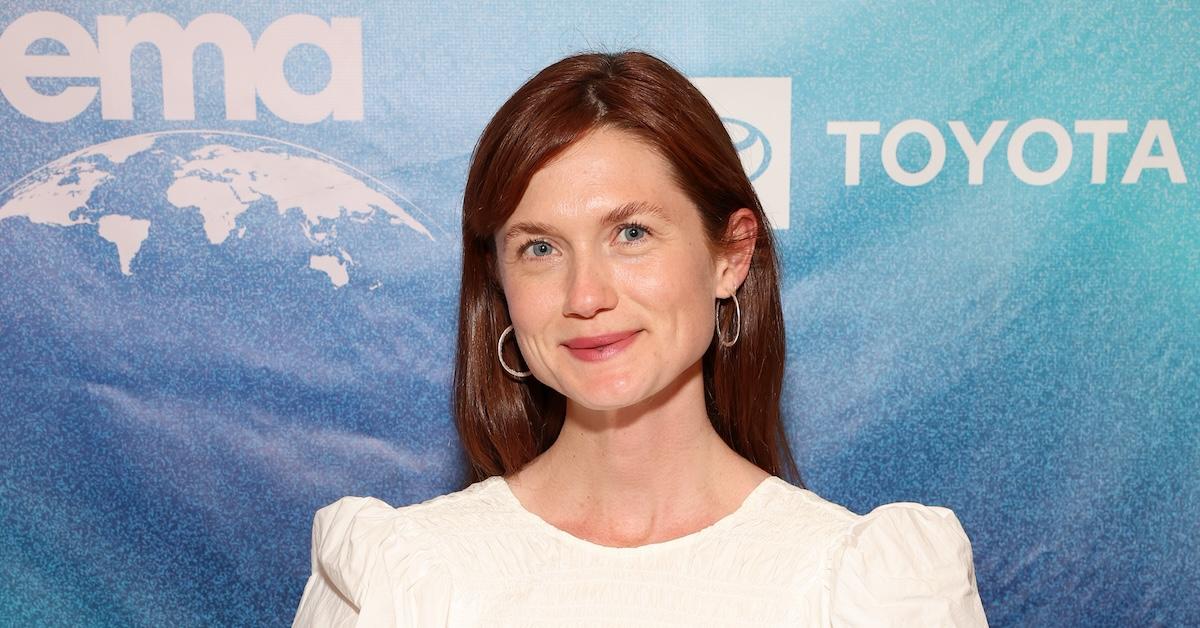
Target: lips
[592,342]
[597,348]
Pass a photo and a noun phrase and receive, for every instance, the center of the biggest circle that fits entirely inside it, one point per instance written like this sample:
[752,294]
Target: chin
[608,393]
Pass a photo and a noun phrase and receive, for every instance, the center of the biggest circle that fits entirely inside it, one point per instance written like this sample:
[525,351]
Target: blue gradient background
[1025,355]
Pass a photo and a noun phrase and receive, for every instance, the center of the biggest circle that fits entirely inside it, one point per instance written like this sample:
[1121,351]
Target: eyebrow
[617,215]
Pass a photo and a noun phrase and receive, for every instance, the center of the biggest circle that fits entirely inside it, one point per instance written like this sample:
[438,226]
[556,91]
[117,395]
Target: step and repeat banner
[229,235]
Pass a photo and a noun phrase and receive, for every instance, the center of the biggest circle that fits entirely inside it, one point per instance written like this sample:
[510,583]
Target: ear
[732,265]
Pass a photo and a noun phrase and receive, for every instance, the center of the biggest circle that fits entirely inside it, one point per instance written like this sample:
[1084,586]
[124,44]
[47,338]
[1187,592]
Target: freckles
[650,272]
[649,267]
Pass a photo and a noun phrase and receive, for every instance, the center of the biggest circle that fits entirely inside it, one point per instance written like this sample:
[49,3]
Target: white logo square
[757,111]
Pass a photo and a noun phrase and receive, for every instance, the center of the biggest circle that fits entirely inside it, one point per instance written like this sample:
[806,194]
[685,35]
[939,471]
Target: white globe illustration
[220,176]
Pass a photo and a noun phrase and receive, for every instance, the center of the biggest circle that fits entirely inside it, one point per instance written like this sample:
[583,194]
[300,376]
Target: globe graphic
[219,176]
[203,334]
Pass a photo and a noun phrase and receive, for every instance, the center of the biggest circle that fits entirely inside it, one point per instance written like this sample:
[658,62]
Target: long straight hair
[504,423]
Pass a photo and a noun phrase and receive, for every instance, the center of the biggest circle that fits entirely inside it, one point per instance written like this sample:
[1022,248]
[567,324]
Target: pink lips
[596,348]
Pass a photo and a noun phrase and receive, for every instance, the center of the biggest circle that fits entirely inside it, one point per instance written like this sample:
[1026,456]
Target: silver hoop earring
[500,354]
[737,332]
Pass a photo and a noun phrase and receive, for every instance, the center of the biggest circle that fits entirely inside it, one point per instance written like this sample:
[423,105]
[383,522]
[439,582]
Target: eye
[634,232]
[539,248]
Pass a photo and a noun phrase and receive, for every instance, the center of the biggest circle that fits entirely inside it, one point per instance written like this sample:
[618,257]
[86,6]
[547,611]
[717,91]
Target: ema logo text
[251,70]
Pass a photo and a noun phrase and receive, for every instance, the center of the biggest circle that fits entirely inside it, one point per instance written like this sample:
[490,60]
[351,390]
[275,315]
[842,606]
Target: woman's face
[604,243]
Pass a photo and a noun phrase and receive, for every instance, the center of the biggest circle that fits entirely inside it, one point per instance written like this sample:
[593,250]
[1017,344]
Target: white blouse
[785,557]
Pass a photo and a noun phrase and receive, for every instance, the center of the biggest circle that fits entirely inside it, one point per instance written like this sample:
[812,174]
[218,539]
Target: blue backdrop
[230,260]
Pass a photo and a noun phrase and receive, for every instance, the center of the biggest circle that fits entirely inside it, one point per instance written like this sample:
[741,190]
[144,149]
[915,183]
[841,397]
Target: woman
[617,394]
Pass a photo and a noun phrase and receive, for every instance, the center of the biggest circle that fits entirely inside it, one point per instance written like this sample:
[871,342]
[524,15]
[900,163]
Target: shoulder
[352,527]
[798,513]
[931,534]
[902,564]
[364,552]
[920,532]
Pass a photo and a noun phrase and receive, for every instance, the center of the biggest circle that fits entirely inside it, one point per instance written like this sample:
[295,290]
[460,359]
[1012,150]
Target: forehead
[604,170]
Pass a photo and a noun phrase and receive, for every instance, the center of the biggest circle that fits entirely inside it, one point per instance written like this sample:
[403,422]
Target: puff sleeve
[370,570]
[904,564]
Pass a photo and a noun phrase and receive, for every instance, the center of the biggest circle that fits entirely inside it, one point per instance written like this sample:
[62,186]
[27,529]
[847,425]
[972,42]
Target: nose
[589,288]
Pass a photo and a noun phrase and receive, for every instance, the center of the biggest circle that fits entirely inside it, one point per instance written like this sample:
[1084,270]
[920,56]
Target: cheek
[677,291]
[527,303]
[532,309]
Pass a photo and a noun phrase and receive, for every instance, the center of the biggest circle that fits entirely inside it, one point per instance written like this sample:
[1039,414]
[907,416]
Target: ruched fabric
[365,573]
[785,557]
[904,564]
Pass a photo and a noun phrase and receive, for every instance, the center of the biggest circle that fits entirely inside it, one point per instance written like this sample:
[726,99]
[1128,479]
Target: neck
[644,471]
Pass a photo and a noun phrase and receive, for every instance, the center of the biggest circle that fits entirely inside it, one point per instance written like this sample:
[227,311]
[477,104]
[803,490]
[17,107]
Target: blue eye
[540,248]
[634,232]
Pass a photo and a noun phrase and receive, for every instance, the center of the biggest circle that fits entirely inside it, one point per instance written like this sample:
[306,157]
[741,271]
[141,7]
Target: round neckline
[748,504]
